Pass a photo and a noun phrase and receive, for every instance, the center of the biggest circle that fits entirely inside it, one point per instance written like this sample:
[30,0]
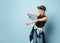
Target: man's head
[41,9]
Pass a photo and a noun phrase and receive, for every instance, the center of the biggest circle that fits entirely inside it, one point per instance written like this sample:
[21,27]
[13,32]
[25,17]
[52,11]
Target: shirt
[40,23]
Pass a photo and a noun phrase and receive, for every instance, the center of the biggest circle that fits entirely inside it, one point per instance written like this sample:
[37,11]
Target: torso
[40,23]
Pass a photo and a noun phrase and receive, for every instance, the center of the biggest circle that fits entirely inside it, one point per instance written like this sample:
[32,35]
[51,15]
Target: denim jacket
[31,34]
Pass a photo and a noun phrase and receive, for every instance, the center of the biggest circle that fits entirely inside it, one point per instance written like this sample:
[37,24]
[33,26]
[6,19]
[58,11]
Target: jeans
[38,38]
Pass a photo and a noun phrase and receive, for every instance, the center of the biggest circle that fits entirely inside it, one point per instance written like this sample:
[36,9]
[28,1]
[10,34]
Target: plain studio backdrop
[13,15]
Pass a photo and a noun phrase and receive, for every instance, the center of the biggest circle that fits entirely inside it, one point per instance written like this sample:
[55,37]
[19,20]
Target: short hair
[42,7]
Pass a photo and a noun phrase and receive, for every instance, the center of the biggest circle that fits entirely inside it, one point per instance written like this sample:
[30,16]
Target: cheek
[40,11]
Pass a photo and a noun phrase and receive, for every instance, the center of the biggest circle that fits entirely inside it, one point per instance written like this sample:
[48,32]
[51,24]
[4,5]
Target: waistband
[35,27]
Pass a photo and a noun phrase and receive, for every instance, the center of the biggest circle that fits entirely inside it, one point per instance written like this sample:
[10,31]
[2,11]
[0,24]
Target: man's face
[41,11]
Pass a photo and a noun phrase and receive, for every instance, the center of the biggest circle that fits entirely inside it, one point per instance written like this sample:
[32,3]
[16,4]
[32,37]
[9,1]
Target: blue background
[13,15]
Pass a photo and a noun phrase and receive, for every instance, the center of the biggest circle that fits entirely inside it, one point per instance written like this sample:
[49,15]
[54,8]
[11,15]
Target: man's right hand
[29,14]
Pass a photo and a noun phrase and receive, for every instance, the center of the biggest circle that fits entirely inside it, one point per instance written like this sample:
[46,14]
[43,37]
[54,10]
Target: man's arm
[34,21]
[42,19]
[32,14]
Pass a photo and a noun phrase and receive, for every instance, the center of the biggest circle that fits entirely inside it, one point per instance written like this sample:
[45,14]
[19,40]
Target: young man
[37,33]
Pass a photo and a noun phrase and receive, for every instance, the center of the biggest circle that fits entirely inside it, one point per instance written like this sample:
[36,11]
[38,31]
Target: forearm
[34,21]
[32,14]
